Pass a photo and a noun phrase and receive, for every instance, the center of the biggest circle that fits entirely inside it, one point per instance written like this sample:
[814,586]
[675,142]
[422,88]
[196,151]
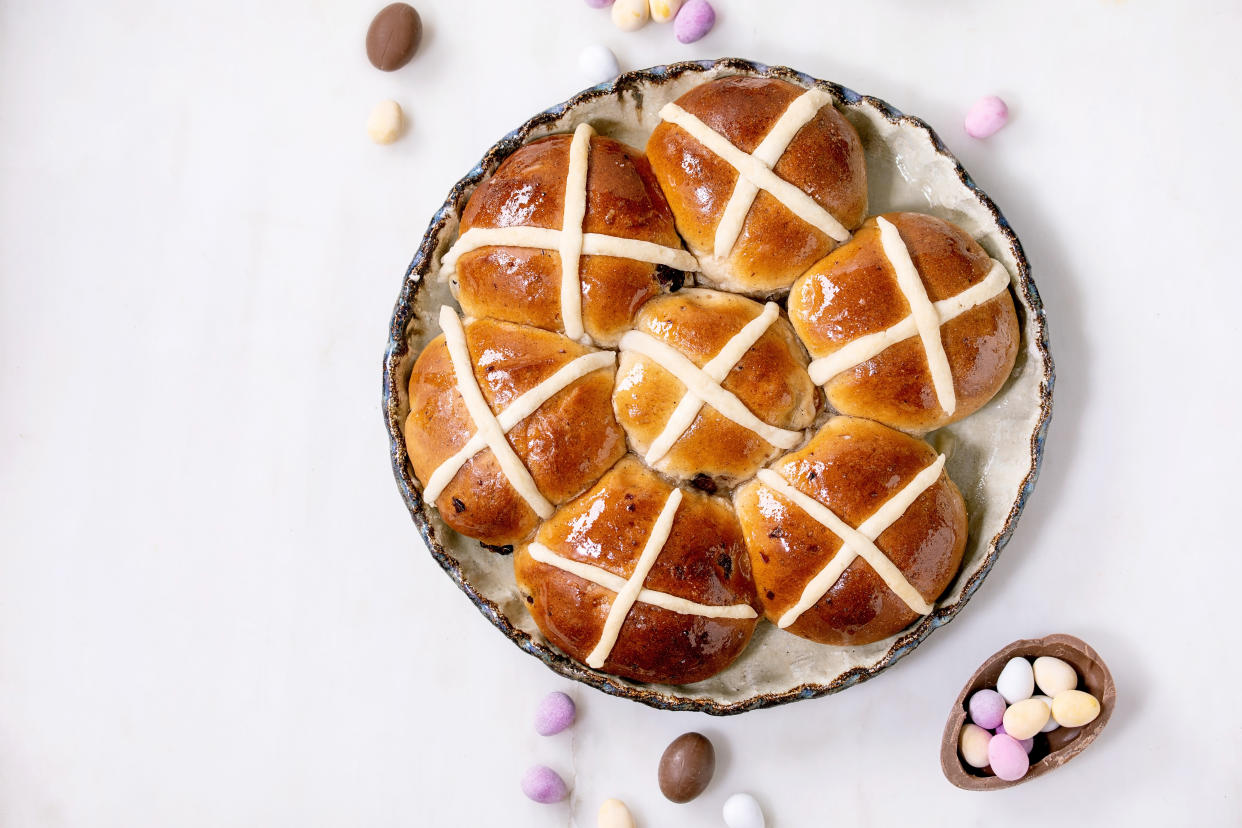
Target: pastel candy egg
[598,64]
[544,785]
[1017,680]
[1054,676]
[630,15]
[742,811]
[555,713]
[385,122]
[663,11]
[694,21]
[987,707]
[599,4]
[614,814]
[1074,708]
[1027,744]
[973,745]
[986,116]
[1026,718]
[1052,723]
[1007,758]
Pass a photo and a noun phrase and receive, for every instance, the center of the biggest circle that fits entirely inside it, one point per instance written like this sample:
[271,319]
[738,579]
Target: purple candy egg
[1007,758]
[556,712]
[544,785]
[599,4]
[987,709]
[694,20]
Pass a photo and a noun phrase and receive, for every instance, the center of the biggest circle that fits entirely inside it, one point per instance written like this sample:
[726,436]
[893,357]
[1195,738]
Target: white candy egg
[742,811]
[598,64]
[1054,675]
[1016,681]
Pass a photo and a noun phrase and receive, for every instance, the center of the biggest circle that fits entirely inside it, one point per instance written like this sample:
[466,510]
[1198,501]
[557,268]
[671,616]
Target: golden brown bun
[852,466]
[853,292]
[770,380]
[567,444]
[523,284]
[825,160]
[704,560]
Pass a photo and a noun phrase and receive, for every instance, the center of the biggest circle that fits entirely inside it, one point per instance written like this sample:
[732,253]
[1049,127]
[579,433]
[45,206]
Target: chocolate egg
[394,36]
[686,767]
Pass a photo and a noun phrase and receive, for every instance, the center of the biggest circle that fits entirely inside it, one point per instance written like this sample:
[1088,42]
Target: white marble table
[214,610]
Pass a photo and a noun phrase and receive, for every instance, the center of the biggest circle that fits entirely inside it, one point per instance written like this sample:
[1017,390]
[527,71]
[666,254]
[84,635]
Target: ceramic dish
[995,453]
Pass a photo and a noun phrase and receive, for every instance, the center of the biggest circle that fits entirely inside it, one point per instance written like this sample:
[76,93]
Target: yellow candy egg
[663,11]
[1026,718]
[1074,708]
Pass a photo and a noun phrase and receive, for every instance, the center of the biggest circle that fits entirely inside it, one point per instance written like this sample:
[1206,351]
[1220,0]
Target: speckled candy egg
[742,811]
[555,713]
[544,785]
[1053,676]
[987,708]
[1016,681]
[1007,758]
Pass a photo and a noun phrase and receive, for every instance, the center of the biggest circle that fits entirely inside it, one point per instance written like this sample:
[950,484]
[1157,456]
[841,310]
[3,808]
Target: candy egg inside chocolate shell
[1052,749]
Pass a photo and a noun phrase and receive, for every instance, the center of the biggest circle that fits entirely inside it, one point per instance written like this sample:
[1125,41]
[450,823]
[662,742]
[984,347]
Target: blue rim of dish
[398,347]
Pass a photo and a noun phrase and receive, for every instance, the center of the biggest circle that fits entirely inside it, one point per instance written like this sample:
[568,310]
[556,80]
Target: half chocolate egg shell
[1052,750]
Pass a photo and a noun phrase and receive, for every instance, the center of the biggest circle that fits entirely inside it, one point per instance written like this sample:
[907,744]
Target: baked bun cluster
[633,403]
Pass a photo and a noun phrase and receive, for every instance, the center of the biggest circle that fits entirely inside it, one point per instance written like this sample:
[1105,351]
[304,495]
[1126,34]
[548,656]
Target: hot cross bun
[467,385]
[712,385]
[910,323]
[764,178]
[854,536]
[642,579]
[581,198]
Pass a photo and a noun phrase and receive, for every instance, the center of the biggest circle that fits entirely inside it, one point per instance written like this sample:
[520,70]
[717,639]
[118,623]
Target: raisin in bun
[641,579]
[803,189]
[888,493]
[712,385]
[911,323]
[581,197]
[556,441]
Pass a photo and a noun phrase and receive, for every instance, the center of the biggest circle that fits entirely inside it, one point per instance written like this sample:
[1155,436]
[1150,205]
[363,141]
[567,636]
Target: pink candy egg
[695,20]
[555,713]
[1007,758]
[544,785]
[599,4]
[987,116]
[987,709]
[1027,744]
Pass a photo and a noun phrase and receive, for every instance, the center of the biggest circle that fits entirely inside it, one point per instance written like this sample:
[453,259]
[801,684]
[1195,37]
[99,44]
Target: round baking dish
[994,454]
